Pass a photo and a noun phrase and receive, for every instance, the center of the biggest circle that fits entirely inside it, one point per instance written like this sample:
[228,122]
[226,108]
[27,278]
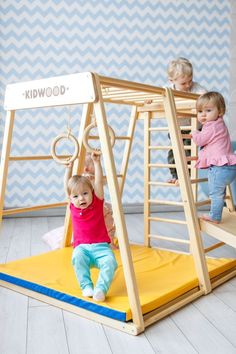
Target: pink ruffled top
[216,146]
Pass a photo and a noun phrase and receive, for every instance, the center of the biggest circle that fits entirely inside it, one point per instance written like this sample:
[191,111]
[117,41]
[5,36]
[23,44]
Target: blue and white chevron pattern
[132,39]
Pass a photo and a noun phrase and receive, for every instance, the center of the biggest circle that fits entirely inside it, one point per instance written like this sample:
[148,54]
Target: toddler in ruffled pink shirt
[216,153]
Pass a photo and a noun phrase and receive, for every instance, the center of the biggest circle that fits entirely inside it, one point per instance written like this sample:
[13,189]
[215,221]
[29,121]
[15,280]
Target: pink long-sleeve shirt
[216,146]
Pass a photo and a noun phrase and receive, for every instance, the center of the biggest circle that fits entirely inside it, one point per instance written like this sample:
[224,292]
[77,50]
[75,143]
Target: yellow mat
[161,277]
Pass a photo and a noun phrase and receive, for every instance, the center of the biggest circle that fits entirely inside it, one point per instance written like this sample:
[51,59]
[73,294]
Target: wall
[132,40]
[232,96]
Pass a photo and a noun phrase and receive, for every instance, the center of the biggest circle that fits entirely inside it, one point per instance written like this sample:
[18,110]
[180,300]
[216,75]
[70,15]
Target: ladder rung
[158,129]
[191,158]
[172,221]
[166,184]
[162,165]
[185,115]
[185,127]
[159,147]
[165,202]
[163,184]
[39,157]
[167,238]
[165,165]
[203,202]
[198,180]
[96,137]
[165,147]
[216,245]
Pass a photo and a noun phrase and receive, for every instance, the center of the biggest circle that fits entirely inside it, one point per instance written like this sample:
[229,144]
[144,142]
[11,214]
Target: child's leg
[104,259]
[82,264]
[173,171]
[218,178]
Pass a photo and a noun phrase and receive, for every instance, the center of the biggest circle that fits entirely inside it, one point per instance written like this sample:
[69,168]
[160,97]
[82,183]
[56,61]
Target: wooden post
[146,213]
[117,208]
[186,193]
[6,148]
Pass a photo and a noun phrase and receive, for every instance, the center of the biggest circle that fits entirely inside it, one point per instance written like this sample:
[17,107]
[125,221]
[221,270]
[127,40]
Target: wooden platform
[225,231]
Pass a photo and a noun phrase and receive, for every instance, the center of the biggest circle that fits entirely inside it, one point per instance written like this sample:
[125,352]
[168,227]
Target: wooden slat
[171,221]
[38,157]
[168,238]
[33,208]
[165,202]
[213,247]
[166,147]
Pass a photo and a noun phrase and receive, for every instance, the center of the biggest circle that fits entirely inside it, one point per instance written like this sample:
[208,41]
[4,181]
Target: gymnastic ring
[86,138]
[58,158]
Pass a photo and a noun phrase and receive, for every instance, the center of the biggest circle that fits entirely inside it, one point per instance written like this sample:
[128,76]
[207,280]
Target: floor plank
[203,336]
[219,314]
[46,331]
[84,335]
[166,337]
[124,343]
[13,322]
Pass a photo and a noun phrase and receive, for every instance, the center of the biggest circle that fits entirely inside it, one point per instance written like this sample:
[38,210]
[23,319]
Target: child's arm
[98,180]
[204,137]
[67,176]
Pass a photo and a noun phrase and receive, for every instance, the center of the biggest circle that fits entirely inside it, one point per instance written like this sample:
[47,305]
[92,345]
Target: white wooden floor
[208,325]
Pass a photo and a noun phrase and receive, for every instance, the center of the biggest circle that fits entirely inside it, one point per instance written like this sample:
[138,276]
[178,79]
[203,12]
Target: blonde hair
[77,180]
[179,67]
[214,97]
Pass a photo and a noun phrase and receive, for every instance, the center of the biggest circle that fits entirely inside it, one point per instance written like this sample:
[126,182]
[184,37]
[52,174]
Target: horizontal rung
[165,147]
[166,184]
[163,165]
[165,202]
[172,221]
[167,238]
[185,115]
[33,208]
[216,245]
[203,202]
[158,129]
[42,157]
[160,147]
[198,180]
[191,158]
[162,184]
[96,137]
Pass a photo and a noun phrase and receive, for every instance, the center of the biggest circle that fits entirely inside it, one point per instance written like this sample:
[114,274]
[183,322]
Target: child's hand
[69,164]
[95,156]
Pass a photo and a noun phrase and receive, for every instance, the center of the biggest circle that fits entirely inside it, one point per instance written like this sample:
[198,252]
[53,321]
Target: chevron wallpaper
[133,39]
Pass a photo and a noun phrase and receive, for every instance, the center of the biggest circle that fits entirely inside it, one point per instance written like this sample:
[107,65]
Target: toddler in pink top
[91,239]
[216,153]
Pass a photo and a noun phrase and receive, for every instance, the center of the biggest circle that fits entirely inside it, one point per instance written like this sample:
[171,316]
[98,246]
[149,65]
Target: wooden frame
[98,90]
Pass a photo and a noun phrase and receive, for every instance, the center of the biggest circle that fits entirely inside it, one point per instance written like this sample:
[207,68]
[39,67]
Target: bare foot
[207,218]
[173,181]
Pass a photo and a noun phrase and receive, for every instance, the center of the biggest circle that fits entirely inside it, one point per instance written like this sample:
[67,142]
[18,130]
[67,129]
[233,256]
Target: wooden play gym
[150,282]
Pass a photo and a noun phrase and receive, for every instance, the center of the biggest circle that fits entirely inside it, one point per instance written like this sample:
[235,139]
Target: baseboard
[136,208]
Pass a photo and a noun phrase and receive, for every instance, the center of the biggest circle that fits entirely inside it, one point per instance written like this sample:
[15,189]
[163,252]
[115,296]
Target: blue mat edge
[101,310]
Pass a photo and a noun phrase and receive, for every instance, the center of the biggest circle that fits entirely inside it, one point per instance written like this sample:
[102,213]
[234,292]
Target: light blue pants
[98,255]
[218,178]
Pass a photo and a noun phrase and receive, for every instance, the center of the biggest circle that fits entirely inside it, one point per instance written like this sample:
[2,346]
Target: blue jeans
[98,255]
[218,178]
